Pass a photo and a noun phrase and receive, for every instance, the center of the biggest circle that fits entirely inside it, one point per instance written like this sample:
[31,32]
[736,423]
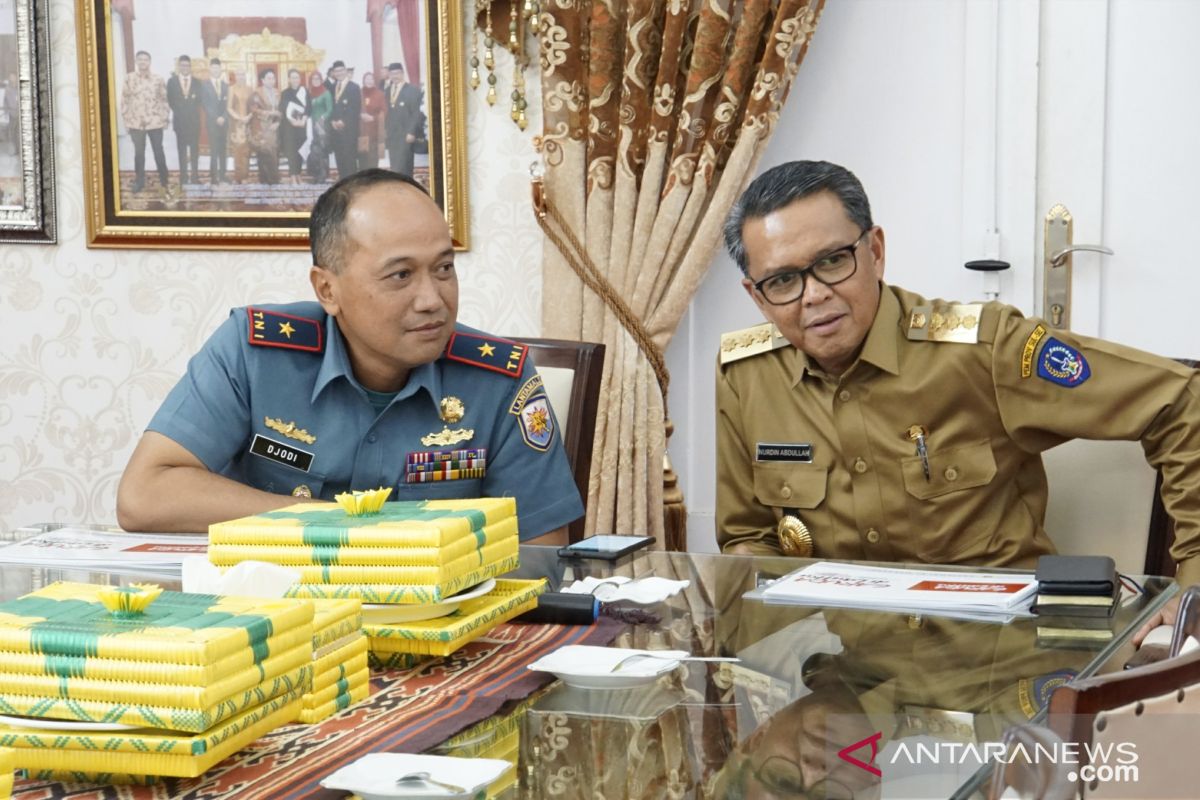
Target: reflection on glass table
[823,701]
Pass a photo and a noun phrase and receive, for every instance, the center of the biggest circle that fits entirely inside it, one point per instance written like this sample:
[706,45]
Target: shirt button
[785,492]
[860,466]
[844,396]
[873,536]
[951,474]
[371,438]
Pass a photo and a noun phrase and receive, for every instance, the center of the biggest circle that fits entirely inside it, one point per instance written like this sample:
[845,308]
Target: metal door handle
[1059,257]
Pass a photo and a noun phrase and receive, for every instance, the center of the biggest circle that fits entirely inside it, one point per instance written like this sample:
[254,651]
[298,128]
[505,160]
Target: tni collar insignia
[488,352]
[273,329]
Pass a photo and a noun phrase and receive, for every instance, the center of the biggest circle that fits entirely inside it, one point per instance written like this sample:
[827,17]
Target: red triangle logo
[868,765]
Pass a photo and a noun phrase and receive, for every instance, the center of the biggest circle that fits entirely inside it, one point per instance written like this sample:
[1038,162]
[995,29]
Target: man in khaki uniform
[896,428]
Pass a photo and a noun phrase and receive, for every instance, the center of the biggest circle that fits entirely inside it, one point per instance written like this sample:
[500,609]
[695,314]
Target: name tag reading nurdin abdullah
[778,451]
[278,451]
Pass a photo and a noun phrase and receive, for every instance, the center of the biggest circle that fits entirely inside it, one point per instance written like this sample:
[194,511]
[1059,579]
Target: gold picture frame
[222,201]
[26,125]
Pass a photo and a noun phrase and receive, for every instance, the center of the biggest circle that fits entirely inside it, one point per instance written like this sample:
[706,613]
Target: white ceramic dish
[64,724]
[373,777]
[588,667]
[392,613]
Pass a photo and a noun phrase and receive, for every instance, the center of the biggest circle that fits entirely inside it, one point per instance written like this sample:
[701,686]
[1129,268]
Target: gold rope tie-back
[595,280]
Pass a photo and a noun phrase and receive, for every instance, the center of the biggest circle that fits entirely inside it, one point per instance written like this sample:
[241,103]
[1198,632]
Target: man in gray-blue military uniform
[374,385]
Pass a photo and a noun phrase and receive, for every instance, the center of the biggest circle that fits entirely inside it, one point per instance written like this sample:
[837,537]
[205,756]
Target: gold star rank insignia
[277,329]
[286,329]
[489,352]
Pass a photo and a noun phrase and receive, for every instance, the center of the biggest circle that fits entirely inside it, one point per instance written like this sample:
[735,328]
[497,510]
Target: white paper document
[943,592]
[105,551]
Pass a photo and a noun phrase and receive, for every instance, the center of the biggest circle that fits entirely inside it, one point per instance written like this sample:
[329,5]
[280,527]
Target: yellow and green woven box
[186,663]
[7,764]
[405,594]
[444,635]
[408,552]
[135,756]
[333,621]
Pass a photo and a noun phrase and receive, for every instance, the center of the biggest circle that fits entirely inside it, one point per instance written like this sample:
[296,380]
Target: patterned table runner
[408,711]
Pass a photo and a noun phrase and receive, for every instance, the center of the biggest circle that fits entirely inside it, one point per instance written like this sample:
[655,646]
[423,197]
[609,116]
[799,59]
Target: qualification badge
[448,437]
[452,409]
[794,538]
[290,430]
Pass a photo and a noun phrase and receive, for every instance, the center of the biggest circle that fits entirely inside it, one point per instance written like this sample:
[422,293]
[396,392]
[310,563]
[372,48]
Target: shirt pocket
[785,484]
[264,474]
[953,470]
[463,488]
[951,516]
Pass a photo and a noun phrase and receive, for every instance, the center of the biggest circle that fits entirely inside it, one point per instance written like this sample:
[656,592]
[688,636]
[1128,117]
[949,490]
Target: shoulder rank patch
[748,342]
[273,329]
[498,355]
[950,322]
[1062,364]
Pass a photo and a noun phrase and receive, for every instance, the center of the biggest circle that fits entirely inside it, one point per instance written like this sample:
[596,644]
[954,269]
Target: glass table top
[822,702]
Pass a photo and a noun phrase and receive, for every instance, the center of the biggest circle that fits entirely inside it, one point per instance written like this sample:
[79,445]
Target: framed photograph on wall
[26,123]
[218,123]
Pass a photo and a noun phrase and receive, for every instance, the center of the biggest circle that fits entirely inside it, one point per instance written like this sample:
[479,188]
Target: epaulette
[488,352]
[750,342]
[274,329]
[945,322]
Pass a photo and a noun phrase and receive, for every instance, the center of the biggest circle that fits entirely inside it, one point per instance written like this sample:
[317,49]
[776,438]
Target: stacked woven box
[7,764]
[414,553]
[340,674]
[409,552]
[166,692]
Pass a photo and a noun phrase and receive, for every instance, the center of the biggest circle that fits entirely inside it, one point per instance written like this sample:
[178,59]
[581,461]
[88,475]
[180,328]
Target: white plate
[65,724]
[373,777]
[587,667]
[391,613]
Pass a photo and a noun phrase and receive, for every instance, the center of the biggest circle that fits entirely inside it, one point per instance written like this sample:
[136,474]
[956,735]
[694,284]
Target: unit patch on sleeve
[1030,348]
[537,423]
[272,329]
[1062,364]
[498,355]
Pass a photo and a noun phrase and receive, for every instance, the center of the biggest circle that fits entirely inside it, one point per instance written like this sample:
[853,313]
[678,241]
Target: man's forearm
[187,499]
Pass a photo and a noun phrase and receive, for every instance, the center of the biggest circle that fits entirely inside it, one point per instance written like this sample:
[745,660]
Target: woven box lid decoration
[183,662]
[406,552]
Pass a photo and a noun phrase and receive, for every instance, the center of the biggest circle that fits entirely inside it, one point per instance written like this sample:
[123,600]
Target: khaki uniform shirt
[989,415]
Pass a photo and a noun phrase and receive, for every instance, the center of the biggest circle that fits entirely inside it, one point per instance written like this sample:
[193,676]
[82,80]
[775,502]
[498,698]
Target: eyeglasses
[830,269]
[782,777]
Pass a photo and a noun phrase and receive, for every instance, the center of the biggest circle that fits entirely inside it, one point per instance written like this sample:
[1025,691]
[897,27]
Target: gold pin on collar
[289,430]
[794,538]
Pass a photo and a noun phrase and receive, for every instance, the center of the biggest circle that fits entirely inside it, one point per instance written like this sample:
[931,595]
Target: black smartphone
[605,546]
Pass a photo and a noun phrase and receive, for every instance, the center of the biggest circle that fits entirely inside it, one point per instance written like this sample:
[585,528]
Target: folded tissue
[246,579]
[642,590]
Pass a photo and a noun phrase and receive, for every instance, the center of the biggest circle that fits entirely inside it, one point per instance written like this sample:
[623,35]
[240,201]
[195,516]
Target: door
[1118,122]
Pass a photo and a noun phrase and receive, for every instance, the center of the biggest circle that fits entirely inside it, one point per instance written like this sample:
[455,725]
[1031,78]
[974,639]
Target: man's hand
[1166,616]
[220,121]
[410,138]
[338,124]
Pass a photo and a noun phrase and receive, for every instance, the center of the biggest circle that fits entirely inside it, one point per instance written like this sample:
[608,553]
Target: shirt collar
[881,347]
[335,363]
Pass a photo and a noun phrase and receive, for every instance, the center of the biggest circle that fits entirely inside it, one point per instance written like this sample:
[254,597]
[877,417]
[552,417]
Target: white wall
[93,339]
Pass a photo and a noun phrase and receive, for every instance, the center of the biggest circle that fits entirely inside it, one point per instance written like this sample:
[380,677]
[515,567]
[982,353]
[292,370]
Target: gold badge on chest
[451,410]
[794,538]
[289,430]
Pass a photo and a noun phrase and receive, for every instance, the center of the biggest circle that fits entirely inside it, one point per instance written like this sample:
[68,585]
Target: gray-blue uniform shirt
[271,401]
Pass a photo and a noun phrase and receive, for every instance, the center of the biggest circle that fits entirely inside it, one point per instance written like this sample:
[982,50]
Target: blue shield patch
[1062,364]
[537,423]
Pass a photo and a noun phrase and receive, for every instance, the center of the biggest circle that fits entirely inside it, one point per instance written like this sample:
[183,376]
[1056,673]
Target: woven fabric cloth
[408,711]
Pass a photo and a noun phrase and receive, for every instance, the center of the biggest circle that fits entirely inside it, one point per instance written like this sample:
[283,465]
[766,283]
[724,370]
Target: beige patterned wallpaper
[94,339]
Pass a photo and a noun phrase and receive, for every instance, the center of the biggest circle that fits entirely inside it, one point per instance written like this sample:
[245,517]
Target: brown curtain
[655,115]
[409,16]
